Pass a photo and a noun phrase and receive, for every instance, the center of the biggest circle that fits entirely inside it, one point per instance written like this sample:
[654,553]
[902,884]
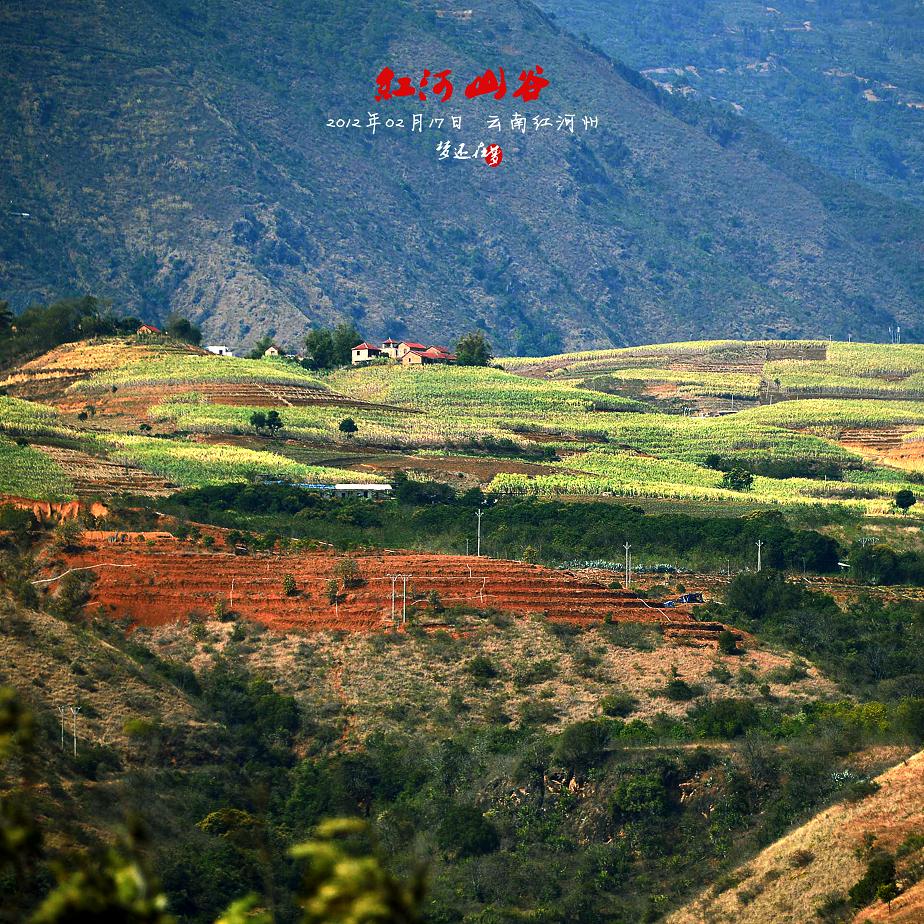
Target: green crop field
[196,464]
[599,442]
[27,472]
[191,368]
[20,418]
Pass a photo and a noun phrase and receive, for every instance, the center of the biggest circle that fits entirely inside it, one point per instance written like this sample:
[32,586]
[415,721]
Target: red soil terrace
[154,579]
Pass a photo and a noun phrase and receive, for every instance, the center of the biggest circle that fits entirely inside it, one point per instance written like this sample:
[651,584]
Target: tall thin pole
[63,711]
[628,566]
[74,711]
[404,600]
[760,546]
[479,514]
[394,582]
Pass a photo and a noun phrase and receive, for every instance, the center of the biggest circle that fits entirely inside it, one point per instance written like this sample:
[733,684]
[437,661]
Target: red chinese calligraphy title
[532,83]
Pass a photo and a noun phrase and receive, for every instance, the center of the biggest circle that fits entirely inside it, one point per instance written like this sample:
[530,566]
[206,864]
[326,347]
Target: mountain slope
[841,82]
[176,155]
[821,861]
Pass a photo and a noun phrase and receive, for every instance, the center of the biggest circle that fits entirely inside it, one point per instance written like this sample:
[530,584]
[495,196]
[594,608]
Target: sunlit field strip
[27,472]
[196,464]
[181,368]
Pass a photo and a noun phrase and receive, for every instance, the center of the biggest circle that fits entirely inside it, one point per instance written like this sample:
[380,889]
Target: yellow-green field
[625,440]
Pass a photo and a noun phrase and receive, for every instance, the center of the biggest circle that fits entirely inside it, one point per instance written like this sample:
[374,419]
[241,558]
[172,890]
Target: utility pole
[394,581]
[74,711]
[231,601]
[760,545]
[479,514]
[63,711]
[466,546]
[404,599]
[628,566]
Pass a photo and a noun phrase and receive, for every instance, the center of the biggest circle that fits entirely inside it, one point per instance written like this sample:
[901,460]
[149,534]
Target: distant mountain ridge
[175,155]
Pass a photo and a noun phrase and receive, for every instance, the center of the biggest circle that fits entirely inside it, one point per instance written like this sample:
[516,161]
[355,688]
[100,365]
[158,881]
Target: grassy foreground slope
[808,874]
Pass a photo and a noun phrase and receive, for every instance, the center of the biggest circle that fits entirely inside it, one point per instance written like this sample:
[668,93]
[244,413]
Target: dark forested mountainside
[175,156]
[843,82]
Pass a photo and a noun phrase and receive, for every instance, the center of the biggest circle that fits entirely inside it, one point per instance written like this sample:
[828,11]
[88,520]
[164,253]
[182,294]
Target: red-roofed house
[390,348]
[365,352]
[407,345]
[148,330]
[427,357]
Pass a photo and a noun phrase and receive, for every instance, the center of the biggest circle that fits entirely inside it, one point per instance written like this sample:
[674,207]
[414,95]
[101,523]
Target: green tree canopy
[473,350]
[183,329]
[905,500]
[319,347]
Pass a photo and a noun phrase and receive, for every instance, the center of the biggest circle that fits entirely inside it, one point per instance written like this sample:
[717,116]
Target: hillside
[814,866]
[840,82]
[176,156]
[817,425]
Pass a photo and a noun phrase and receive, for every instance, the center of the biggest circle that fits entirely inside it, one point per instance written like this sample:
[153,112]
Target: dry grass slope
[775,889]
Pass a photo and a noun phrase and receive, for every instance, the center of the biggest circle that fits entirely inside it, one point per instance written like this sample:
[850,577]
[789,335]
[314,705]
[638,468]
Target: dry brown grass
[778,890]
[51,664]
[377,681]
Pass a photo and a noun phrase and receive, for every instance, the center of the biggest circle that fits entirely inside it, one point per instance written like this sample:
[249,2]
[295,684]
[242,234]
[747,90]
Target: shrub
[728,643]
[465,832]
[880,871]
[724,718]
[640,795]
[482,668]
[680,691]
[288,585]
[582,745]
[618,705]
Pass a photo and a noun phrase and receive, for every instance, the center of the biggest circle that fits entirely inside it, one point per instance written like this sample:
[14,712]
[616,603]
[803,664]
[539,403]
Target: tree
[905,500]
[738,479]
[6,316]
[582,745]
[182,328]
[289,587]
[348,427]
[473,350]
[348,572]
[260,347]
[258,420]
[465,832]
[319,347]
[274,422]
[344,337]
[343,886]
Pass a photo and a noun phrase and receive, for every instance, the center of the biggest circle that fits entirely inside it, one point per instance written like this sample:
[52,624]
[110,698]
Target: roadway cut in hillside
[159,581]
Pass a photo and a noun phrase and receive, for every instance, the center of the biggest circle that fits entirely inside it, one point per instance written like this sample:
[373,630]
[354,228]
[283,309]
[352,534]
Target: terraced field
[160,582]
[640,422]
[92,476]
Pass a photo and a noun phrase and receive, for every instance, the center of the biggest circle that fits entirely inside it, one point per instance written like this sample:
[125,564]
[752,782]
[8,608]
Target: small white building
[364,352]
[219,349]
[362,490]
[272,351]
